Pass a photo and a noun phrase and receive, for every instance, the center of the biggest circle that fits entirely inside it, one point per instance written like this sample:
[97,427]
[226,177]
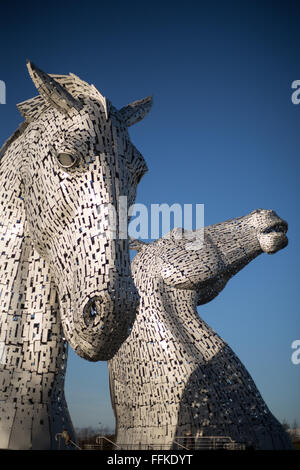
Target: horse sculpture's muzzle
[106,321]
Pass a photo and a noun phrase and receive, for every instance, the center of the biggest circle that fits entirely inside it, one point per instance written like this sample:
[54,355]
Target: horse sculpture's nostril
[90,312]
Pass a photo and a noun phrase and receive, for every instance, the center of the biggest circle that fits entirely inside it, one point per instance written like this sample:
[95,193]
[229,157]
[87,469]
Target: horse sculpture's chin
[273,238]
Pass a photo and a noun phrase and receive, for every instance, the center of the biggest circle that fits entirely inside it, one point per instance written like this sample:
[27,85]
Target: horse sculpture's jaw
[97,295]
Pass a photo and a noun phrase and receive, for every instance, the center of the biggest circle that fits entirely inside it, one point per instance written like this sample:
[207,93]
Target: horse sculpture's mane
[32,108]
[18,132]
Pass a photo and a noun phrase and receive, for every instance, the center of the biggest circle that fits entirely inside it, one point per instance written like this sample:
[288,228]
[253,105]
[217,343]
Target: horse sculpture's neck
[149,373]
[32,352]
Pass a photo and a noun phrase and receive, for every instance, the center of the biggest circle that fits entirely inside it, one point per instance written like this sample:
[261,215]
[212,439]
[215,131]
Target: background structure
[223,131]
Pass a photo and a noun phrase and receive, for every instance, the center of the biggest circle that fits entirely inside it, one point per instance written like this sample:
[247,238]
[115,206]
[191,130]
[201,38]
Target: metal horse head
[74,160]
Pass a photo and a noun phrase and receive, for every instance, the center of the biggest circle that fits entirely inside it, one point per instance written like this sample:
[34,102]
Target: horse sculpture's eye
[67,160]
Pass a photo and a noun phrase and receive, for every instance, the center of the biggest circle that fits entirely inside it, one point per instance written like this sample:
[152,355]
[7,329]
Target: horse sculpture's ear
[137,245]
[136,111]
[52,92]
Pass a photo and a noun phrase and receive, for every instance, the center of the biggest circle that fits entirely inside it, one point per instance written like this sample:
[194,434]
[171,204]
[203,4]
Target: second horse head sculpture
[174,376]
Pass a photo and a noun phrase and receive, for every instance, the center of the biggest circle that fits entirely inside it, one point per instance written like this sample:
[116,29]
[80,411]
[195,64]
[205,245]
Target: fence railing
[180,443]
[100,439]
[209,443]
[59,436]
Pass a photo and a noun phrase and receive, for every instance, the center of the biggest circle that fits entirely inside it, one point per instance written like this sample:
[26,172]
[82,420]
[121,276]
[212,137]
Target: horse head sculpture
[226,248]
[71,160]
[65,266]
[174,376]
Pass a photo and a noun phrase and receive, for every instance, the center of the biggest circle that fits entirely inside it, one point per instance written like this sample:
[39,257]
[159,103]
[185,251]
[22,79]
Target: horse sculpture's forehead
[88,130]
[91,116]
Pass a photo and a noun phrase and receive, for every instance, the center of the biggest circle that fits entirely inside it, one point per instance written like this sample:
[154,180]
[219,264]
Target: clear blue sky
[223,131]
